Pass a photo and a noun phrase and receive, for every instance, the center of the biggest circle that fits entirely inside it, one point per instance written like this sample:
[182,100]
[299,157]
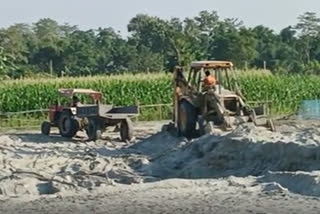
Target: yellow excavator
[198,108]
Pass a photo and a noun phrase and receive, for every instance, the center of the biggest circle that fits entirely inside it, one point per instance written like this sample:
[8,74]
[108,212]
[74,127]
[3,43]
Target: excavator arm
[180,87]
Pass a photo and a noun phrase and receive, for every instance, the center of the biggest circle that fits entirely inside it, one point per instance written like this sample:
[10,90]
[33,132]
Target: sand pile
[288,160]
[35,168]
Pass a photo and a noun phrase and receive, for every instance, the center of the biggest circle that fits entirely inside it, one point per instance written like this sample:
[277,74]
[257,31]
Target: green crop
[21,95]
[286,92]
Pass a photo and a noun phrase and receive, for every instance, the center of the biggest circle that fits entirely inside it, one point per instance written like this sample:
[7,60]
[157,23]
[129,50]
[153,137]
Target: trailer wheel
[68,126]
[45,128]
[93,130]
[126,130]
[187,119]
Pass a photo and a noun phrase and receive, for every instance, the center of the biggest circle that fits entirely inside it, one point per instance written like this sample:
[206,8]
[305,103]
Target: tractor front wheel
[45,128]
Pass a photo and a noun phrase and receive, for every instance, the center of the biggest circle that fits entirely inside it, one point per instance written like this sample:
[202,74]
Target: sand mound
[247,151]
[35,168]
[31,164]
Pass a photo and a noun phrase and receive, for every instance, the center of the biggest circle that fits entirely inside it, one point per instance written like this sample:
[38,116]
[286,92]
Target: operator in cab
[75,101]
[209,81]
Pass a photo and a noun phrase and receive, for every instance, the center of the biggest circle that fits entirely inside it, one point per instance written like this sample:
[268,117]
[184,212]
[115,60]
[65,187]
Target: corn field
[20,95]
[286,92]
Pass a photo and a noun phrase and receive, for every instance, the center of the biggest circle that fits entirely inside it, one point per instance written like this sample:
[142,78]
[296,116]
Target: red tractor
[93,118]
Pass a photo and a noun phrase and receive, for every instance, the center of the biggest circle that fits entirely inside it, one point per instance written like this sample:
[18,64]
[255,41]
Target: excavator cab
[198,70]
[221,106]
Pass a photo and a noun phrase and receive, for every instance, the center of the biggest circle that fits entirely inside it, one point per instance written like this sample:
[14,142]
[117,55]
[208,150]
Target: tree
[81,55]
[288,34]
[47,31]
[156,44]
[201,31]
[231,44]
[308,28]
[309,24]
[207,21]
[154,35]
[267,43]
[144,60]
[7,66]
[17,40]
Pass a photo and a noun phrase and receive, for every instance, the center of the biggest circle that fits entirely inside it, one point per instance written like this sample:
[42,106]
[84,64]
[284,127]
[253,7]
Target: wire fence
[34,118]
[156,112]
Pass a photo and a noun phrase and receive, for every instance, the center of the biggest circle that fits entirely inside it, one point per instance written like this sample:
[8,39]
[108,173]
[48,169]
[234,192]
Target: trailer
[93,118]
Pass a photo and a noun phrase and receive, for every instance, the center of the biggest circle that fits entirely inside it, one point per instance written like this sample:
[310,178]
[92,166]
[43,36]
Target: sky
[91,14]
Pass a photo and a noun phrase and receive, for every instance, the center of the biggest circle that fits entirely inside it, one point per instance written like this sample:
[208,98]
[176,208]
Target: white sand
[249,170]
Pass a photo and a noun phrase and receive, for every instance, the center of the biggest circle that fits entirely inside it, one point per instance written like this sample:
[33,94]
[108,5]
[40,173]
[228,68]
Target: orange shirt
[209,81]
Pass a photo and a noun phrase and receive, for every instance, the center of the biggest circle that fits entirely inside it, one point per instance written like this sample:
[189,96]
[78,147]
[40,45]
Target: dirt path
[172,196]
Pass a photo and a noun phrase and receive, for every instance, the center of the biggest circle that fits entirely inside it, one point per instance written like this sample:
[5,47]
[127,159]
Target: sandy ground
[248,170]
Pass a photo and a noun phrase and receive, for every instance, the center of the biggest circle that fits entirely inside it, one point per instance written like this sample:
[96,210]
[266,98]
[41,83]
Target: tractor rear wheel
[126,130]
[93,130]
[45,128]
[68,126]
[187,119]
